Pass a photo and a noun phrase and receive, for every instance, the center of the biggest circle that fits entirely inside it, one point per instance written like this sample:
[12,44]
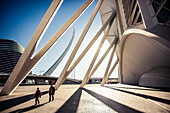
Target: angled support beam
[133,14]
[14,79]
[57,62]
[121,23]
[137,17]
[91,43]
[151,1]
[61,31]
[107,77]
[99,62]
[108,66]
[62,76]
[127,9]
[160,7]
[95,56]
[148,20]
[130,10]
[21,71]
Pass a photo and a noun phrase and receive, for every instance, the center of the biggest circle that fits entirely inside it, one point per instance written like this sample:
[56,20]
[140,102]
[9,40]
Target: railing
[132,12]
[129,14]
[141,12]
[159,9]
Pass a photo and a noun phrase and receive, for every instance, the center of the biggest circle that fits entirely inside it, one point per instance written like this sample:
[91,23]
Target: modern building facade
[144,43]
[10,52]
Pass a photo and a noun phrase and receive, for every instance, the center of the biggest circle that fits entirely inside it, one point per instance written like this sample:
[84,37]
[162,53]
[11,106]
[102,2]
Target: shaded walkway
[72,103]
[28,108]
[16,101]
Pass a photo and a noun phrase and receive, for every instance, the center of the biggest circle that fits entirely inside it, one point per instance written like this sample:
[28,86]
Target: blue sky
[20,18]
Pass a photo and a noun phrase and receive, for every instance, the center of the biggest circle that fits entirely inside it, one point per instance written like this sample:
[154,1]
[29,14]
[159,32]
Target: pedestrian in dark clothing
[51,92]
[37,95]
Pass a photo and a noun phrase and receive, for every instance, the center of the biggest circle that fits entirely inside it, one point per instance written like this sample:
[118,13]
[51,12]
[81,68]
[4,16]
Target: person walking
[51,92]
[37,95]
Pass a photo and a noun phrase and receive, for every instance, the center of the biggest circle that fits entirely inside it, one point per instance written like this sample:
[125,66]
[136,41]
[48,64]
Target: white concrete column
[18,73]
[90,44]
[62,76]
[99,62]
[108,66]
[95,56]
[110,72]
[25,63]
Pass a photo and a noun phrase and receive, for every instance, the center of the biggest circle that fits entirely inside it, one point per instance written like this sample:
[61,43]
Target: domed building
[10,52]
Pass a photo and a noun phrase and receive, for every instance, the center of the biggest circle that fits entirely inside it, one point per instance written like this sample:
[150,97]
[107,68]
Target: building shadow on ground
[142,88]
[116,106]
[6,104]
[142,95]
[28,108]
[71,105]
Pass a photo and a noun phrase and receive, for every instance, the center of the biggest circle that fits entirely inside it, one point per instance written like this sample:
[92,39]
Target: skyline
[23,21]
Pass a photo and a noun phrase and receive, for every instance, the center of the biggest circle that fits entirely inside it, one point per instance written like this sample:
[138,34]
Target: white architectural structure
[139,39]
[57,62]
[144,42]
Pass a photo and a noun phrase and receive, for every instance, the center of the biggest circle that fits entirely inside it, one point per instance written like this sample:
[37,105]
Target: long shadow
[72,103]
[118,107]
[143,95]
[6,104]
[28,108]
[155,89]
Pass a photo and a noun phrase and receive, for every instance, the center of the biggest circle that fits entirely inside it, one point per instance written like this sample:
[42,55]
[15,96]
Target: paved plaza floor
[90,99]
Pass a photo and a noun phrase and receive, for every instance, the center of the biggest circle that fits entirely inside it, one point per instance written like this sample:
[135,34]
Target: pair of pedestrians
[38,94]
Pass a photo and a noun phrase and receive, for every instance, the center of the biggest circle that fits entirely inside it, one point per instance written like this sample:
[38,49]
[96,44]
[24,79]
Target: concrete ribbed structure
[144,48]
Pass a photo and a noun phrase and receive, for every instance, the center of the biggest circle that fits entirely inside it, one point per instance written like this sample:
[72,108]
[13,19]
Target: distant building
[10,52]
